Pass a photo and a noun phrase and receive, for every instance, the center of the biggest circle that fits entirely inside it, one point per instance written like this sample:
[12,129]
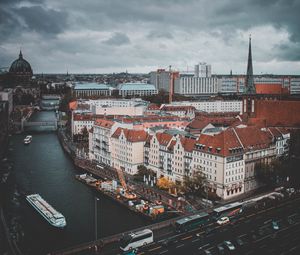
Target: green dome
[20,66]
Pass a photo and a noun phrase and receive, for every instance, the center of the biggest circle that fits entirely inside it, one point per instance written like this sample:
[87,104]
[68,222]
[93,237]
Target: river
[43,167]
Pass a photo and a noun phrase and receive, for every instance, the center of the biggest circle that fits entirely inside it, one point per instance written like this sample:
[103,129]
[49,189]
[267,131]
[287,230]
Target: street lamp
[96,218]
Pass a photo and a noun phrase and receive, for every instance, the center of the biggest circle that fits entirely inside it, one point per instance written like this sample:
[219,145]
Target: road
[254,228]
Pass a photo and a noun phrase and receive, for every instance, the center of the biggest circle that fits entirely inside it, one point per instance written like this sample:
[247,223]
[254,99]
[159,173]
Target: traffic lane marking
[180,245]
[156,248]
[201,247]
[196,240]
[187,237]
[163,252]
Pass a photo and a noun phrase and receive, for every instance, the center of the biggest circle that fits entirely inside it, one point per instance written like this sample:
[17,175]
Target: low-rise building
[178,110]
[136,89]
[192,86]
[86,90]
[212,106]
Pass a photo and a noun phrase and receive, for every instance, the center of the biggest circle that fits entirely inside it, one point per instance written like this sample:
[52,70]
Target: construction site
[122,193]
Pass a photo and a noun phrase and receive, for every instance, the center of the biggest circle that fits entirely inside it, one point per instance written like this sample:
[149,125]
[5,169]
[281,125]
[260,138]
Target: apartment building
[127,149]
[213,105]
[178,110]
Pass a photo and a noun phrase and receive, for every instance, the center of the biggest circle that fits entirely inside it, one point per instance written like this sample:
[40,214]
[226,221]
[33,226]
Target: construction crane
[125,191]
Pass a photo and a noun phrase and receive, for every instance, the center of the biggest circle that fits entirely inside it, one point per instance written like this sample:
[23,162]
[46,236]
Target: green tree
[143,171]
[195,185]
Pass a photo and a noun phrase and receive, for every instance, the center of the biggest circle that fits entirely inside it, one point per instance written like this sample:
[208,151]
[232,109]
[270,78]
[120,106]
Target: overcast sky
[100,36]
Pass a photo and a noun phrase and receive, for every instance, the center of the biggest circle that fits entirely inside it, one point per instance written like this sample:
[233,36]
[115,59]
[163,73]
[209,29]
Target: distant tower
[250,88]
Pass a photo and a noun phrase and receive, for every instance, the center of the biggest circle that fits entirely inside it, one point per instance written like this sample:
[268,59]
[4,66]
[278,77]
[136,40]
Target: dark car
[169,241]
[220,249]
[240,242]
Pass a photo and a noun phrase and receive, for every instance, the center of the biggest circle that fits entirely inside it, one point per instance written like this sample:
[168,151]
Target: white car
[229,245]
[223,221]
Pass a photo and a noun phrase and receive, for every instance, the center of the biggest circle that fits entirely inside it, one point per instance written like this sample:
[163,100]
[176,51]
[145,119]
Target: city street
[255,229]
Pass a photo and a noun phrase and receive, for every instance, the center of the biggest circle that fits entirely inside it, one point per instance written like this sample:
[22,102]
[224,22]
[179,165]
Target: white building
[295,86]
[202,70]
[84,90]
[178,110]
[129,107]
[100,140]
[192,86]
[169,155]
[136,89]
[282,138]
[213,106]
[127,149]
[81,121]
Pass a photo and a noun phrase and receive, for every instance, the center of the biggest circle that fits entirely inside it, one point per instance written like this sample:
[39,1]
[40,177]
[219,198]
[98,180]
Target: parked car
[229,245]
[169,241]
[240,242]
[223,221]
[275,225]
[221,249]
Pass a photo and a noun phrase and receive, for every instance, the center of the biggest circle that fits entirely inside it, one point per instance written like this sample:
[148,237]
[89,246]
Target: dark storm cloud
[169,30]
[41,20]
[19,17]
[118,39]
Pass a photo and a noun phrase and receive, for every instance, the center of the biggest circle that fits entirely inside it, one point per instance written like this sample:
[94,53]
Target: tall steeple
[250,87]
[20,54]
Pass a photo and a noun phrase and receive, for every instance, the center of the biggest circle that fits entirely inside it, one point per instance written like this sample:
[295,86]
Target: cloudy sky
[100,36]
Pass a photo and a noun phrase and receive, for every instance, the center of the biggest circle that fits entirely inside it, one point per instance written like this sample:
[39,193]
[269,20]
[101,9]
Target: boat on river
[53,217]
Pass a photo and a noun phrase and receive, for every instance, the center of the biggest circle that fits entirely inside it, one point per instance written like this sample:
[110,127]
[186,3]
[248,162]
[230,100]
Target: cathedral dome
[20,66]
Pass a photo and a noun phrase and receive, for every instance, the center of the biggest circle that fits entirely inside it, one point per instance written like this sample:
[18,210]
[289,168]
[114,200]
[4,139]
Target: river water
[43,167]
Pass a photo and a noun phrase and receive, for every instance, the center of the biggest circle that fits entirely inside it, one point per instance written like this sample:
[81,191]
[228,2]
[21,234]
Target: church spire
[250,87]
[20,55]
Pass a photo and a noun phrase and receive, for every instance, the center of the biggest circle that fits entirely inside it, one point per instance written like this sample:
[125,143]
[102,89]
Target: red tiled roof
[222,143]
[131,134]
[198,124]
[153,107]
[153,118]
[275,132]
[188,144]
[104,123]
[175,108]
[83,117]
[254,138]
[163,138]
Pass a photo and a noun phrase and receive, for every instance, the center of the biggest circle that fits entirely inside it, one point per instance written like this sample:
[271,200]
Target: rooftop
[136,86]
[91,86]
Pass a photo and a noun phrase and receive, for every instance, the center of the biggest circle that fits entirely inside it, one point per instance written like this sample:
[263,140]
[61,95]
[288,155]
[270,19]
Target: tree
[85,134]
[143,171]
[164,183]
[195,185]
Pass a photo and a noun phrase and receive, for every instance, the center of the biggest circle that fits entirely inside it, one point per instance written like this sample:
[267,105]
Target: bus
[136,239]
[191,222]
[228,210]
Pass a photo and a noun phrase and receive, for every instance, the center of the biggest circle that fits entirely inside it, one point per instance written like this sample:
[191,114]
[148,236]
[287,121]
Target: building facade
[127,149]
[85,90]
[193,86]
[136,89]
[214,105]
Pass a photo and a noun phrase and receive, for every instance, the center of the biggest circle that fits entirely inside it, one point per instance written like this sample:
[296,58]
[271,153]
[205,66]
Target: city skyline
[115,36]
